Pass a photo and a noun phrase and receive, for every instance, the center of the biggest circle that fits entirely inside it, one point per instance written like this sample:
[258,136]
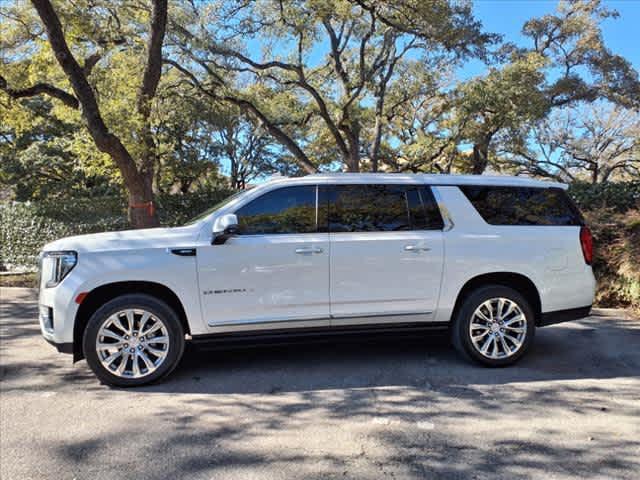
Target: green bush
[617,197]
[26,227]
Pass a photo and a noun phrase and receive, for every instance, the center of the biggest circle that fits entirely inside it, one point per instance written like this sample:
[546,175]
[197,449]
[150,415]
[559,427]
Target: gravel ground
[568,410]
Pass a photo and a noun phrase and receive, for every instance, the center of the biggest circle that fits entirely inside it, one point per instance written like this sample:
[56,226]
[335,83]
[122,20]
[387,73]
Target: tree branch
[38,89]
[104,139]
[247,106]
[153,67]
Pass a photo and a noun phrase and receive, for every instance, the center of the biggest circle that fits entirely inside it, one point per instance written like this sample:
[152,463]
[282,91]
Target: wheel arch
[521,283]
[104,293]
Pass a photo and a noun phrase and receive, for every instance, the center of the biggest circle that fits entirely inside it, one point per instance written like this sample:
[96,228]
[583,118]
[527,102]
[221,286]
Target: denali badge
[231,290]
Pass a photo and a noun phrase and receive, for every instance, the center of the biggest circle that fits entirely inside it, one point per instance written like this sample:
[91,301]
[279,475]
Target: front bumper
[61,347]
[57,311]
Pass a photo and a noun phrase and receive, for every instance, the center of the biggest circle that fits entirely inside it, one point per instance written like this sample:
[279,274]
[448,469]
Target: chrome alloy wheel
[498,328]
[132,343]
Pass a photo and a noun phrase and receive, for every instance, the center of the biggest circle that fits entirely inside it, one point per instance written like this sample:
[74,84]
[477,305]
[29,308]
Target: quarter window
[285,210]
[523,206]
[382,208]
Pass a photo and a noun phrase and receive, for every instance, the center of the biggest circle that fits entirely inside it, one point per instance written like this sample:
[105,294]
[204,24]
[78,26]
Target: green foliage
[616,197]
[39,159]
[26,227]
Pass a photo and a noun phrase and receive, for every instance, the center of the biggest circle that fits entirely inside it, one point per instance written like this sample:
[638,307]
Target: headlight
[56,266]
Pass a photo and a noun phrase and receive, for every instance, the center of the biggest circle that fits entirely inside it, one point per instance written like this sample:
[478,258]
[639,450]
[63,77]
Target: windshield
[217,206]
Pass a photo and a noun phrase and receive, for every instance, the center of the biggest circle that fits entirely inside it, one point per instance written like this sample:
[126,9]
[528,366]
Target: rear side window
[382,208]
[286,210]
[523,206]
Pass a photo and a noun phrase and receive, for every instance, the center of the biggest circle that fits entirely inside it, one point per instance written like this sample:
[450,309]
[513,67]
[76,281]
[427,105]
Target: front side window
[382,208]
[217,207]
[285,210]
[523,205]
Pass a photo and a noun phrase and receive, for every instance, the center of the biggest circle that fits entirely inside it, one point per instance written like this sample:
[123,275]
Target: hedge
[617,197]
[26,227]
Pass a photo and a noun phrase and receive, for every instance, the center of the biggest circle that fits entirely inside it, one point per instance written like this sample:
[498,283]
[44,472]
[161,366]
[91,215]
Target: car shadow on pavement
[597,347]
[588,349]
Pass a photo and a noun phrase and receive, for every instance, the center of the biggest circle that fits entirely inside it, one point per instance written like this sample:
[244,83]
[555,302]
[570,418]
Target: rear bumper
[559,316]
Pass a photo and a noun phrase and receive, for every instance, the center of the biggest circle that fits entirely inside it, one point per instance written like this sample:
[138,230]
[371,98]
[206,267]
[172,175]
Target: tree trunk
[142,209]
[377,140]
[480,158]
[138,181]
[352,160]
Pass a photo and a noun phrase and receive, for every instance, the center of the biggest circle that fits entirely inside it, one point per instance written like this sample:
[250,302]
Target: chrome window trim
[444,211]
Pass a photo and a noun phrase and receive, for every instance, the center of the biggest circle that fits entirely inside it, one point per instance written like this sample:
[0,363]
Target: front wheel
[133,340]
[494,326]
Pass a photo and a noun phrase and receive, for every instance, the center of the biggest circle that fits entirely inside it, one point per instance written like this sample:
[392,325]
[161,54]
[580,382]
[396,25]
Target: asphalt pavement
[569,410]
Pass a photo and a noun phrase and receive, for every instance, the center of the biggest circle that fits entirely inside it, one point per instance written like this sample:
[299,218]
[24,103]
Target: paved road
[569,410]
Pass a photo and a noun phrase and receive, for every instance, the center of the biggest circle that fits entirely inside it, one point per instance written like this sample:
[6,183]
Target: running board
[330,334]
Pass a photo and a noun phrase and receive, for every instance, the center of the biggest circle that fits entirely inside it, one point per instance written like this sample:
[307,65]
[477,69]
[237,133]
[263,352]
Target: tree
[188,152]
[247,149]
[568,62]
[505,98]
[595,143]
[329,66]
[37,156]
[137,173]
[571,40]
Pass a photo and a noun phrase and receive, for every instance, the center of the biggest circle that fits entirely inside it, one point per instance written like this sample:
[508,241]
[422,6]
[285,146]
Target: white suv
[489,258]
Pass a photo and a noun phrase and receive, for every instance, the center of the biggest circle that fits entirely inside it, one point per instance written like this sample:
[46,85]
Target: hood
[128,240]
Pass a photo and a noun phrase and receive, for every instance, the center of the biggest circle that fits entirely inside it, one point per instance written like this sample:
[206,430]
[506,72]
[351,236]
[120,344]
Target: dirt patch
[29,280]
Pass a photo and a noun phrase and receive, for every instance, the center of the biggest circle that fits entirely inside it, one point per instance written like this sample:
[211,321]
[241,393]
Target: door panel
[266,279]
[275,272]
[386,253]
[385,273]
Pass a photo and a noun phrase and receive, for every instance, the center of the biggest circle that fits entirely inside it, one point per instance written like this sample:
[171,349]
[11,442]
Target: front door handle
[416,248]
[308,250]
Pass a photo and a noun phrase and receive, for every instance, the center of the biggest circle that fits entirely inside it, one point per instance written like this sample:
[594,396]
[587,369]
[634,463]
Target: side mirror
[224,228]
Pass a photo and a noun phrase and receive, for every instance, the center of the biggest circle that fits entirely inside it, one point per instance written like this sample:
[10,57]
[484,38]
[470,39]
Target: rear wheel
[133,340]
[494,326]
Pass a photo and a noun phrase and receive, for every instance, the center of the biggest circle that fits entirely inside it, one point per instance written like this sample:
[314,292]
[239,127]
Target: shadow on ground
[588,349]
[393,408]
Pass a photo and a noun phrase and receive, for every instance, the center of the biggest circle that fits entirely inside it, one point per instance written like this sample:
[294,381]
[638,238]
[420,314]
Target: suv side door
[386,253]
[275,272]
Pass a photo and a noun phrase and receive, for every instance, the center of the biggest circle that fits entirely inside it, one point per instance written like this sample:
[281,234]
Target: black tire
[157,308]
[460,330]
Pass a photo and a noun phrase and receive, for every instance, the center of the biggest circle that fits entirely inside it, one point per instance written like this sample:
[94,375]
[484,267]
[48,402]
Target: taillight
[586,242]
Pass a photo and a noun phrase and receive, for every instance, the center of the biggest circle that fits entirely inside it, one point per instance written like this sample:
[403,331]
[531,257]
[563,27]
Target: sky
[621,35]
[506,17]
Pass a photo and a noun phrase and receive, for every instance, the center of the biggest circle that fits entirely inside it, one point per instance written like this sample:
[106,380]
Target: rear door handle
[416,248]
[183,252]
[308,250]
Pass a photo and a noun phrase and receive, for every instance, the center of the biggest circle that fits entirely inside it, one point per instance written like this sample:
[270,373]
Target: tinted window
[286,210]
[424,211]
[523,206]
[381,208]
